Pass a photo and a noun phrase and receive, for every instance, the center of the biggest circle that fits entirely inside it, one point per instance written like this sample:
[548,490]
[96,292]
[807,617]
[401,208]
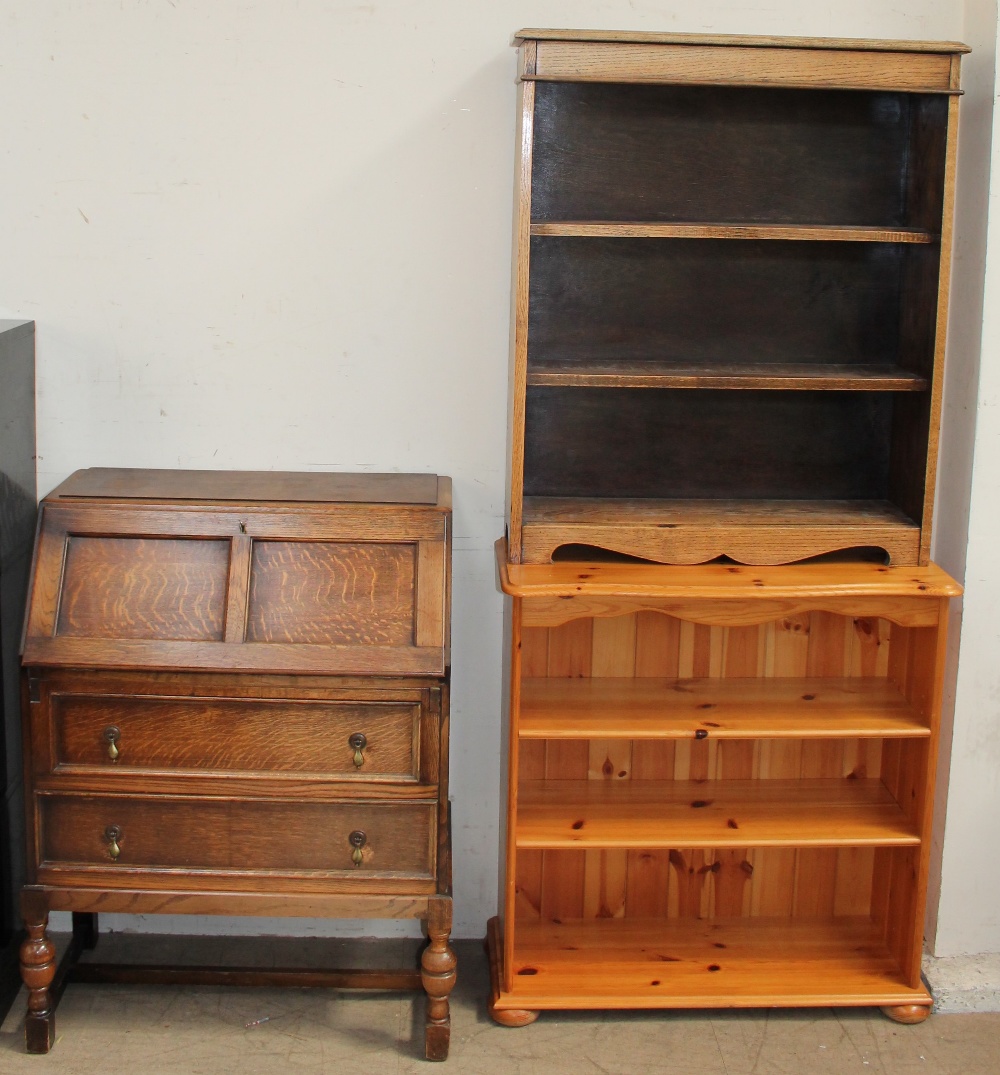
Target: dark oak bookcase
[730,296]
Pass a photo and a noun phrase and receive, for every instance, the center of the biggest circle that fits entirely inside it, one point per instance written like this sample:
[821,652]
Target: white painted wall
[277,235]
[964,909]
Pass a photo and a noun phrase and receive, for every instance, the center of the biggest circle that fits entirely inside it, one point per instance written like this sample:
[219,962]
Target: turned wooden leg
[907,1013]
[38,968]
[438,973]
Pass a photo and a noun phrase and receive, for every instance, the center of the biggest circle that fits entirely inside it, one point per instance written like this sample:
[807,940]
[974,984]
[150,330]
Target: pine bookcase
[719,786]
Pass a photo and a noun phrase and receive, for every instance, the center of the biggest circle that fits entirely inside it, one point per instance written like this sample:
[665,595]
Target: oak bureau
[236,703]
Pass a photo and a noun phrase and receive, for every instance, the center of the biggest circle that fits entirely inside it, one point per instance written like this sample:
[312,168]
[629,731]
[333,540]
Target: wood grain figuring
[238,590]
[657,652]
[685,532]
[295,658]
[675,814]
[552,611]
[632,62]
[304,592]
[433,595]
[198,519]
[143,588]
[220,734]
[220,837]
[650,963]
[609,763]
[569,655]
[716,708]
[531,765]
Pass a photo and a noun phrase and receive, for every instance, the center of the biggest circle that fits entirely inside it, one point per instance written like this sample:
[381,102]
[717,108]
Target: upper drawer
[351,586]
[325,740]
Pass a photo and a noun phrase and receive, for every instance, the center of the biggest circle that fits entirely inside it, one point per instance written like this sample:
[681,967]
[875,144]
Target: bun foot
[512,1016]
[907,1013]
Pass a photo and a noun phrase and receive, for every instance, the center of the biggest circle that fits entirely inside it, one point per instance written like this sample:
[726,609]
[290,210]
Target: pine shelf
[720,813]
[685,963]
[706,708]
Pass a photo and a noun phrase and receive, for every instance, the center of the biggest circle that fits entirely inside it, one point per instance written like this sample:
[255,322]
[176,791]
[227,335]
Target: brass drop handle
[357,742]
[111,736]
[112,834]
[357,840]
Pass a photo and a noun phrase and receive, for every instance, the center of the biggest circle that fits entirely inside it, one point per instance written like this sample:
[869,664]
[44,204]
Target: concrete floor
[172,1030]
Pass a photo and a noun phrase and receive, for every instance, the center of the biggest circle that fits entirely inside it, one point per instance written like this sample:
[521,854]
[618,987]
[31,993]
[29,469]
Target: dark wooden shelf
[641,229]
[694,531]
[803,376]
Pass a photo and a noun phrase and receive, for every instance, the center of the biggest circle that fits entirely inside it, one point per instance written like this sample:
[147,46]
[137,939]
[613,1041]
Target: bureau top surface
[252,487]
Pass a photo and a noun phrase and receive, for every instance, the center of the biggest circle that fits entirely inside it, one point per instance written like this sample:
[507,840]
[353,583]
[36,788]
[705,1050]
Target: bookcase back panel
[794,882]
[715,302]
[735,154]
[653,644]
[704,883]
[675,443]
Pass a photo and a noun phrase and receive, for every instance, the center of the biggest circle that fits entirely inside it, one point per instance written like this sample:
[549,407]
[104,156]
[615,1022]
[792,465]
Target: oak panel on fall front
[143,588]
[332,593]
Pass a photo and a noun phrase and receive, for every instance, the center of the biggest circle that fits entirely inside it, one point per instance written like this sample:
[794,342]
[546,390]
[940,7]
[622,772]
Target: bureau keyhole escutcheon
[357,840]
[112,837]
[357,742]
[112,736]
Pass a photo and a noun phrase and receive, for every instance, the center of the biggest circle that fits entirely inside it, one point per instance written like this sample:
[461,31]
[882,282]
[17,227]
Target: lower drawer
[343,838]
